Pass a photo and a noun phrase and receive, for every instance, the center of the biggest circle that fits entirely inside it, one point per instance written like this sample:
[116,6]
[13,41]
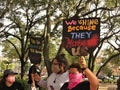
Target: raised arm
[90,75]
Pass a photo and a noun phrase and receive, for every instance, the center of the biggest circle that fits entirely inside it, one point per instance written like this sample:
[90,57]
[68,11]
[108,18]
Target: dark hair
[61,59]
[6,73]
[4,78]
[76,65]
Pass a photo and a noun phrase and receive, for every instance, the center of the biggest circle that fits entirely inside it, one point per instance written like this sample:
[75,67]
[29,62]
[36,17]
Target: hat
[9,72]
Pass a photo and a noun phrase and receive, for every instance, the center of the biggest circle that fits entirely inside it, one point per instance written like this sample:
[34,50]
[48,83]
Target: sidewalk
[107,86]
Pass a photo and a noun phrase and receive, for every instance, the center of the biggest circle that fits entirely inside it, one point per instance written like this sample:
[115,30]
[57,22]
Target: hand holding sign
[80,51]
[83,63]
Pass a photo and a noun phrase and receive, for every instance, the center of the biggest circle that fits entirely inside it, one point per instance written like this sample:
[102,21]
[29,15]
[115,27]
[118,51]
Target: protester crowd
[63,77]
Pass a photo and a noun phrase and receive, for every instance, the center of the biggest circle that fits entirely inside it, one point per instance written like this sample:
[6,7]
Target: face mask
[74,79]
[11,79]
[55,68]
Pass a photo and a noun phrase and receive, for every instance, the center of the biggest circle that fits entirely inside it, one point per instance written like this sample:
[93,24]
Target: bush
[24,83]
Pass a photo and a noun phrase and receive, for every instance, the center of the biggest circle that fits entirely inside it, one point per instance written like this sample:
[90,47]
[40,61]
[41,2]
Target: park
[38,30]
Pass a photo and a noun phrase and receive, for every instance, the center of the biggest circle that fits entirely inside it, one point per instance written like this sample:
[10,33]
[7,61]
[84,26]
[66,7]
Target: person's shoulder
[52,75]
[18,85]
[86,82]
[85,85]
[2,83]
[64,87]
[65,84]
[66,73]
[33,66]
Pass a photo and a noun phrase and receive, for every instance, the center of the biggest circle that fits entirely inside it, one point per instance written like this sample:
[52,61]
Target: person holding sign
[58,76]
[75,78]
[34,69]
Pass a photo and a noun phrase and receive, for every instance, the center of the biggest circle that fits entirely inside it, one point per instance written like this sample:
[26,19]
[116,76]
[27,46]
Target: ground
[107,86]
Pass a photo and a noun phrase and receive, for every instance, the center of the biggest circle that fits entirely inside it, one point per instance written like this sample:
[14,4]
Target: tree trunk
[47,40]
[46,55]
[22,68]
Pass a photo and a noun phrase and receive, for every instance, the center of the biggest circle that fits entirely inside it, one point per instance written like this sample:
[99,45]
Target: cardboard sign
[35,50]
[81,36]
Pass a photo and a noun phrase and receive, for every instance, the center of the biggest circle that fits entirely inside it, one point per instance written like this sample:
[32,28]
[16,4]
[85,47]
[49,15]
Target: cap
[9,72]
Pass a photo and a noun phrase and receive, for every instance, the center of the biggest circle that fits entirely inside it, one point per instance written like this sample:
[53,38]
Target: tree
[109,14]
[44,18]
[109,55]
[8,50]
[19,25]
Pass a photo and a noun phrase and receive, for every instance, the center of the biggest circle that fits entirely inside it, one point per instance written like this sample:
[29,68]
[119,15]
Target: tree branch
[14,47]
[108,60]
[94,10]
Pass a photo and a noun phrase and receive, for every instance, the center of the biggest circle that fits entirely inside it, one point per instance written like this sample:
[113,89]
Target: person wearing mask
[76,81]
[8,81]
[34,69]
[58,76]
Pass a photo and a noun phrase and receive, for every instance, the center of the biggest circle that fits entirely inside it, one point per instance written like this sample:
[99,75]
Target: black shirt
[15,86]
[33,69]
[81,86]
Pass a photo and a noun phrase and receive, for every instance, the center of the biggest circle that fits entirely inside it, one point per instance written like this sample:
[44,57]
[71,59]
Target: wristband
[83,69]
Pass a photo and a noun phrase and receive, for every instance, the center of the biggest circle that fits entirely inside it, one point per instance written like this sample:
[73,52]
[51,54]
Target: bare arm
[91,77]
[32,78]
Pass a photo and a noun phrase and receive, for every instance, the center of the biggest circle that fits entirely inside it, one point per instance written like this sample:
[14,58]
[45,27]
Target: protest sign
[35,50]
[81,35]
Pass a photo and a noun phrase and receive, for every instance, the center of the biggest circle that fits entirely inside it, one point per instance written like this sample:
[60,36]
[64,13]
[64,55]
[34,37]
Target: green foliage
[3,66]
[8,50]
[111,3]
[107,71]
[26,18]
[71,59]
[53,50]
[24,83]
[108,52]
[116,61]
[7,64]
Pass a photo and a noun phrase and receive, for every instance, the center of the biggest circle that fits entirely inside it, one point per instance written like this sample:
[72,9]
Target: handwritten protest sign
[81,35]
[35,50]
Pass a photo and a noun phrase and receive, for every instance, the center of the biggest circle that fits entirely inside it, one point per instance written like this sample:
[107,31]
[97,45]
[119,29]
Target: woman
[75,78]
[58,76]
[34,69]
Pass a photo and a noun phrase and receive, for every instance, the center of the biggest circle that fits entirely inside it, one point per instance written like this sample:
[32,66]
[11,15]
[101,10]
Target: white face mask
[10,78]
[55,68]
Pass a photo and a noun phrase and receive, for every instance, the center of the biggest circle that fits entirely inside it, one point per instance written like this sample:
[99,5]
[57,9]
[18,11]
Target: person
[118,83]
[8,81]
[76,82]
[59,74]
[32,71]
